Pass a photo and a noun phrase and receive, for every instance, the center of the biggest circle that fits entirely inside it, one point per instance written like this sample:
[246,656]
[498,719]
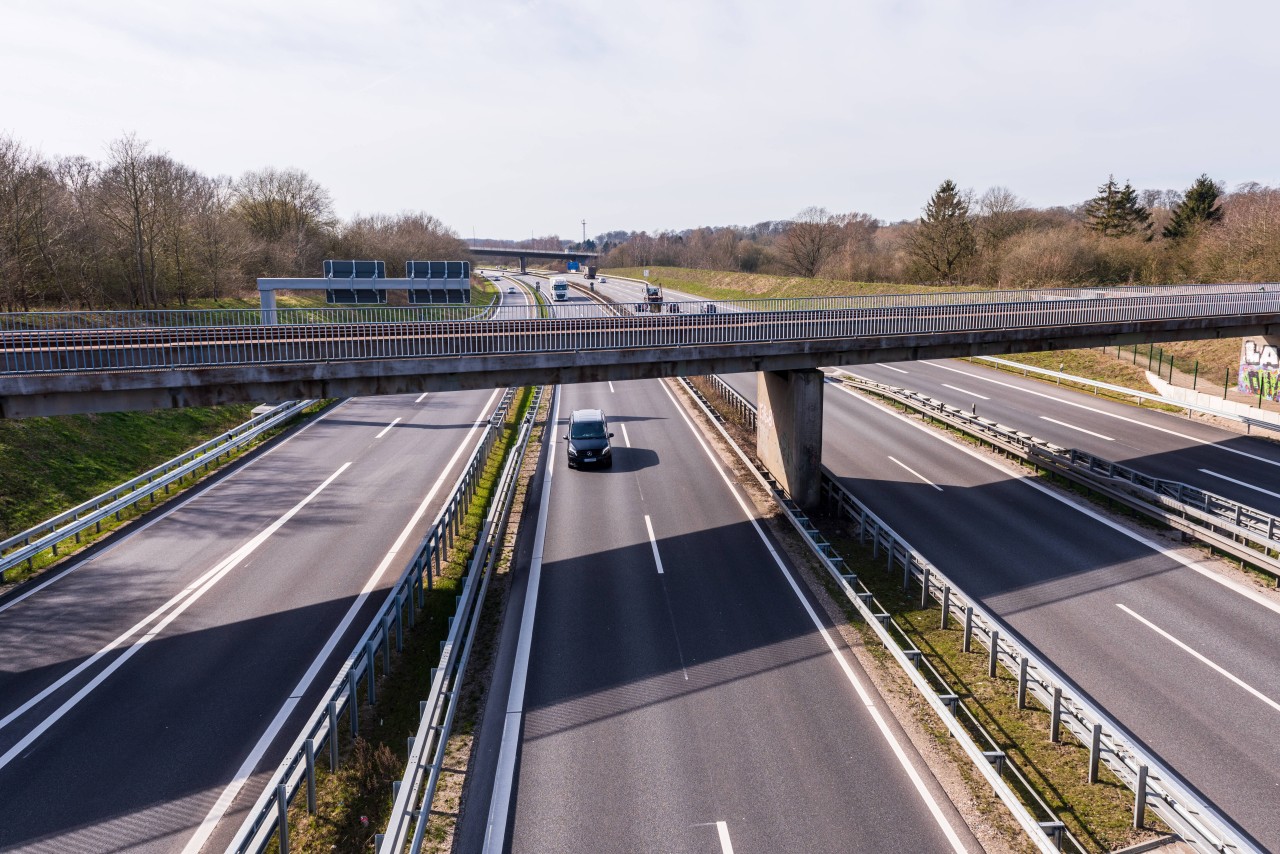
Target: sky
[508,119]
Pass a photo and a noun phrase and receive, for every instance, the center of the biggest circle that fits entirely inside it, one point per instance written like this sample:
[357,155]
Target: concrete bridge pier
[789,431]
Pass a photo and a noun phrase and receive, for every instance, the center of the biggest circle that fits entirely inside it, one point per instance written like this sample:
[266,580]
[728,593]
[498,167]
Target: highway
[682,694]
[154,674]
[1244,468]
[1177,653]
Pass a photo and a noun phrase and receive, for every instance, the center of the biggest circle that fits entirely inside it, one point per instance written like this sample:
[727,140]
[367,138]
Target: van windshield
[587,430]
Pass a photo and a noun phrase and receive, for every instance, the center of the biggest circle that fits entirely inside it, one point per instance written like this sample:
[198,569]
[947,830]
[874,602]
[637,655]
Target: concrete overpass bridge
[504,253]
[59,363]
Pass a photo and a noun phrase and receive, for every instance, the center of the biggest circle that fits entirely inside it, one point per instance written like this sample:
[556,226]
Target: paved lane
[677,681]
[137,762]
[1107,609]
[1244,468]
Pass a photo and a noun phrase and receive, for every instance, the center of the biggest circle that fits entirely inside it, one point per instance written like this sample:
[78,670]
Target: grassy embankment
[354,803]
[48,465]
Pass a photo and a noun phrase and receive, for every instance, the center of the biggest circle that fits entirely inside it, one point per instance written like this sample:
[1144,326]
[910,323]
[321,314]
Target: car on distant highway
[511,289]
[588,439]
[603,280]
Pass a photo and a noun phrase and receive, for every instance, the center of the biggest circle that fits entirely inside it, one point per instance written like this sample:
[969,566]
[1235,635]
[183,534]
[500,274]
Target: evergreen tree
[1116,211]
[943,240]
[1198,206]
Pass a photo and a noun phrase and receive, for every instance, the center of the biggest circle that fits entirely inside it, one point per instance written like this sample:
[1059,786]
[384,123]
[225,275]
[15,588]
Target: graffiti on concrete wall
[1260,368]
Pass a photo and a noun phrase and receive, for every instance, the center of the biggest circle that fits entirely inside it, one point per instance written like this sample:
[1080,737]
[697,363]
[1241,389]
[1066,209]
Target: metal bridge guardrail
[1243,531]
[1156,787]
[269,816]
[60,343]
[411,810]
[26,545]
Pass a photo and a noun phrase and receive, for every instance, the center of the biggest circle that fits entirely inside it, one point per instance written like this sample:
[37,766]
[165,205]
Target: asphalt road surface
[682,695]
[137,684]
[1243,468]
[1180,656]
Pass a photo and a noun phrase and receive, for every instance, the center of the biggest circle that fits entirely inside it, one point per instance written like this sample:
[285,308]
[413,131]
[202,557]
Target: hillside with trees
[1120,235]
[141,230]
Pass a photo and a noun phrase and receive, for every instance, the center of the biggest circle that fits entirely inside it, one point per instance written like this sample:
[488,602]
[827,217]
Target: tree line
[1120,235]
[141,230]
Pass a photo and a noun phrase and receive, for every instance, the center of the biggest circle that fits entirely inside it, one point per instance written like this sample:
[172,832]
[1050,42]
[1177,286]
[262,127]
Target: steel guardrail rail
[1155,786]
[106,342]
[268,819]
[411,810]
[1136,393]
[1245,532]
[24,546]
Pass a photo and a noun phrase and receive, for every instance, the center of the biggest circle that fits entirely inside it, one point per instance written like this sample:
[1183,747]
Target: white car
[511,290]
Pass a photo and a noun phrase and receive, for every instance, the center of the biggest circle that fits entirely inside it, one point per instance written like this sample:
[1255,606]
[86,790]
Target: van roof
[587,415]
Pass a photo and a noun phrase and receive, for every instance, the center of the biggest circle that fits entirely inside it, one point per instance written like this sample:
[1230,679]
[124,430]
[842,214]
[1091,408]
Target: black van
[589,439]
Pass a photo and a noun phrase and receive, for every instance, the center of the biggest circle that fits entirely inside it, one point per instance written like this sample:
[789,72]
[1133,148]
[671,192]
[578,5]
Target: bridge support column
[524,264]
[268,300]
[789,431]
[1260,367]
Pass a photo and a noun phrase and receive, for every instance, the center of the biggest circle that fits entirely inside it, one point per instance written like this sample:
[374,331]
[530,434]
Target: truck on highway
[559,289]
[589,272]
[653,296]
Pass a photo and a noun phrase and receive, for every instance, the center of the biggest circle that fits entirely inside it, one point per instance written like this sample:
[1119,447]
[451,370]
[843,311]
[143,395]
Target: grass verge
[48,465]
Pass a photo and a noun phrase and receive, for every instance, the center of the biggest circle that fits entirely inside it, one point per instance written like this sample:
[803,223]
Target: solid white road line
[421,397]
[1211,443]
[220,807]
[1242,483]
[504,776]
[192,594]
[722,828]
[861,690]
[916,473]
[1075,427]
[610,385]
[653,543]
[892,368]
[129,533]
[1236,679]
[625,437]
[1252,595]
[965,391]
[388,427]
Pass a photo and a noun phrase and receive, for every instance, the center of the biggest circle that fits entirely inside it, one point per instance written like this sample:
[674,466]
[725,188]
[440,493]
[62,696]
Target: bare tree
[288,210]
[813,237]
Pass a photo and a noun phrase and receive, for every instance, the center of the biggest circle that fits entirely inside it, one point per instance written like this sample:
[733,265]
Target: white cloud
[517,116]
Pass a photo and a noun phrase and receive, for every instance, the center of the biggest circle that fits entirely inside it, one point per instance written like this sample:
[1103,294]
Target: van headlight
[573,452]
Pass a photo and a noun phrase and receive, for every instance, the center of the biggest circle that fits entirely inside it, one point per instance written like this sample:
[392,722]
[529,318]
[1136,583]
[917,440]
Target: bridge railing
[26,347]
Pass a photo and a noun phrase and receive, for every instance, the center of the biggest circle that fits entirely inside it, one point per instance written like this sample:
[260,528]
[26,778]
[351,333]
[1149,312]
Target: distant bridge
[525,254]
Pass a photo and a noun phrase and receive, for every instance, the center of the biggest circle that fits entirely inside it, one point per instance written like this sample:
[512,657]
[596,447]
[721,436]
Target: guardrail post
[1055,716]
[333,736]
[1140,799]
[968,628]
[282,817]
[906,572]
[1022,683]
[994,658]
[946,603]
[353,700]
[1095,752]
[400,624]
[386,645]
[924,586]
[310,746]
[1054,829]
[371,659]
